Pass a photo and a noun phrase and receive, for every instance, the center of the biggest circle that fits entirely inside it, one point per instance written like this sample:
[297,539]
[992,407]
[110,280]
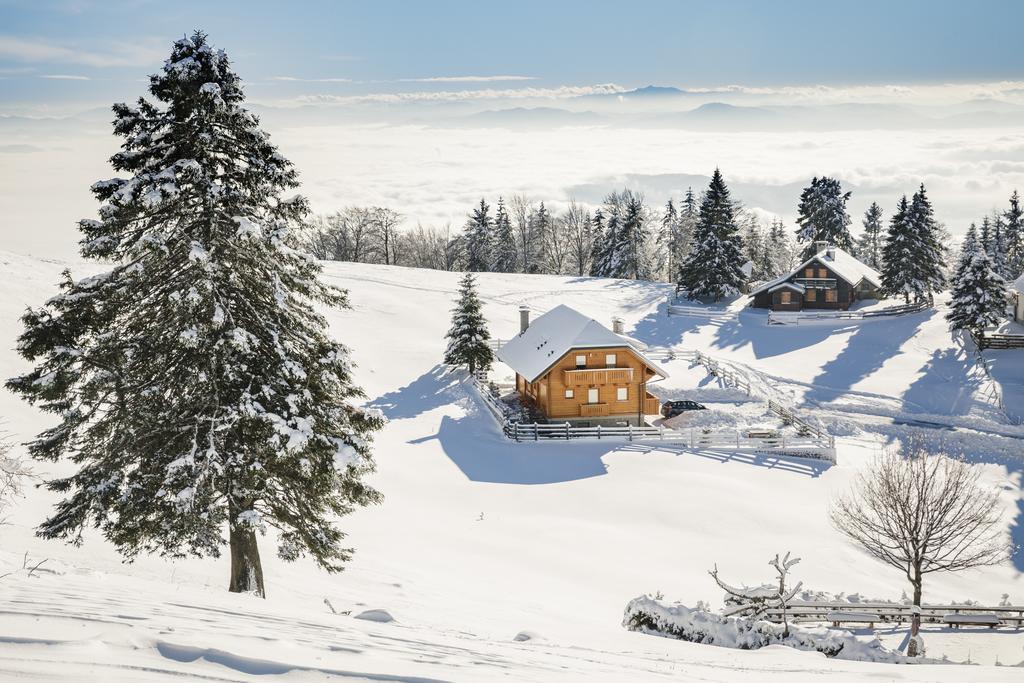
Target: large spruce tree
[822,216]
[197,390]
[468,337]
[1014,218]
[979,293]
[714,266]
[478,239]
[869,246]
[504,253]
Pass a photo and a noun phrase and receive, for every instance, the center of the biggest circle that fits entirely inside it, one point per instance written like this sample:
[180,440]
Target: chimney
[524,318]
[820,247]
[617,325]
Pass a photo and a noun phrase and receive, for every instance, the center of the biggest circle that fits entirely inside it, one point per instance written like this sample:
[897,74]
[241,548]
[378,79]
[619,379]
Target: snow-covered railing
[794,317]
[838,612]
[1001,341]
[721,439]
[698,312]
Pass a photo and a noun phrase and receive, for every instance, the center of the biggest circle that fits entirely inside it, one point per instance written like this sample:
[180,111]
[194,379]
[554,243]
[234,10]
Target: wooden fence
[805,446]
[1001,341]
[794,317]
[837,613]
[698,312]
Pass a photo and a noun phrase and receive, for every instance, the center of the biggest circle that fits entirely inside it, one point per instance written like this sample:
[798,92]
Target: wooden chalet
[572,369]
[831,279]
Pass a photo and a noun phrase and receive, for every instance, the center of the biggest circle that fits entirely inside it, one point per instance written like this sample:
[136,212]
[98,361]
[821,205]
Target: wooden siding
[548,392]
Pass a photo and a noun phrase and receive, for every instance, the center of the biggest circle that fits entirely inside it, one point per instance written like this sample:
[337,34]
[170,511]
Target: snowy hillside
[480,539]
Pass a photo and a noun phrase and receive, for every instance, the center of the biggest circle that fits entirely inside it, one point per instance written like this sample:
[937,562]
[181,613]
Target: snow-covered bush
[647,615]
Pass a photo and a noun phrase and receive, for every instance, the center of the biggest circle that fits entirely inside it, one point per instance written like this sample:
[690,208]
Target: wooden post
[535,432]
[598,431]
[661,432]
[566,431]
[517,431]
[630,432]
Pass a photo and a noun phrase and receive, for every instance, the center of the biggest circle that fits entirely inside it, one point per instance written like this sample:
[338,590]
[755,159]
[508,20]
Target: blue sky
[49,49]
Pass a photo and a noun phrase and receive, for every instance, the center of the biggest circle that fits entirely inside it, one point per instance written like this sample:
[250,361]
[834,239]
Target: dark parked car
[673,408]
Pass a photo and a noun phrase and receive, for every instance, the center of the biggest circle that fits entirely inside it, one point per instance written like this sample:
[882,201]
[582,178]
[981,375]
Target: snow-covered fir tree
[689,212]
[667,234]
[478,239]
[605,264]
[756,249]
[540,229]
[598,244]
[630,256]
[822,216]
[713,268]
[468,336]
[504,253]
[985,235]
[1014,218]
[780,249]
[869,244]
[979,293]
[898,272]
[195,385]
[930,253]
[997,250]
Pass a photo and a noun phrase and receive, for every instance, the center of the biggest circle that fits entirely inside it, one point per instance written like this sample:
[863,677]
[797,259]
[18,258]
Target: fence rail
[798,446]
[1001,341]
[698,312]
[886,612]
[794,317]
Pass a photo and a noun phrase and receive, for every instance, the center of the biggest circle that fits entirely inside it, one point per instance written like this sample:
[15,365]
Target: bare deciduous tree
[385,225]
[923,513]
[755,602]
[13,472]
[578,233]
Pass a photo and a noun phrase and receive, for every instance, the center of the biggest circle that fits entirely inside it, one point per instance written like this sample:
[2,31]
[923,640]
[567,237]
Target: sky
[425,107]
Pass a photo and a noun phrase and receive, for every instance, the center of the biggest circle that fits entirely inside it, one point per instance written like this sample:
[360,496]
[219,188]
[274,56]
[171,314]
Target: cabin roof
[839,261]
[1018,284]
[554,334]
[786,284]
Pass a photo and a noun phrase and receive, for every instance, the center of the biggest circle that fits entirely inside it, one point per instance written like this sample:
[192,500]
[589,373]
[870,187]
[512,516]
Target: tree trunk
[246,570]
[915,621]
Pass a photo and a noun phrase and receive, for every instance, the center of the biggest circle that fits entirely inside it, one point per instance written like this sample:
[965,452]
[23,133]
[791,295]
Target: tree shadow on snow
[805,466]
[947,386]
[431,390]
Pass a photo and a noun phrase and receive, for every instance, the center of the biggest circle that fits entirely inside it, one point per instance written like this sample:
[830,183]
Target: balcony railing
[598,376]
[593,409]
[816,282]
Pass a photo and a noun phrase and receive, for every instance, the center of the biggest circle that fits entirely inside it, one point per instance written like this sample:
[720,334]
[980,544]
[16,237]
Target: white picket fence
[698,312]
[813,447]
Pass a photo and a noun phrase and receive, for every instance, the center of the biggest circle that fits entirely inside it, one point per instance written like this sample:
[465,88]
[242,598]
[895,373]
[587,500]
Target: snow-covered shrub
[647,615]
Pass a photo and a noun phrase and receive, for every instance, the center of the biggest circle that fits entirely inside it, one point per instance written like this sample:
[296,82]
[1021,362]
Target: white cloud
[65,77]
[117,54]
[296,79]
[465,95]
[466,79]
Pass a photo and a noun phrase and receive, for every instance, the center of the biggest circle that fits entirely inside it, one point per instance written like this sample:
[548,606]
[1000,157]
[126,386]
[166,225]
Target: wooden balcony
[652,405]
[593,409]
[598,376]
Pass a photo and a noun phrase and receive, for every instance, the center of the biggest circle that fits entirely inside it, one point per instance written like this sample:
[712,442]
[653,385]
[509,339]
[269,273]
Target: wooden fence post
[535,432]
[517,431]
[599,431]
[630,432]
[566,431]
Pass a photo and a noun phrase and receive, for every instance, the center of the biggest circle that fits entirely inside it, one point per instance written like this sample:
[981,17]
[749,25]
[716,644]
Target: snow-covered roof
[839,261]
[1018,284]
[786,284]
[555,333]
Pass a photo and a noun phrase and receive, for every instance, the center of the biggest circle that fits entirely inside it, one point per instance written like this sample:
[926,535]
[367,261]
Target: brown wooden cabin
[571,368]
[831,279]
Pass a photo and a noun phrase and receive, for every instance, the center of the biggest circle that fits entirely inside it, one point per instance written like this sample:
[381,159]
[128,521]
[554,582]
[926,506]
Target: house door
[592,396]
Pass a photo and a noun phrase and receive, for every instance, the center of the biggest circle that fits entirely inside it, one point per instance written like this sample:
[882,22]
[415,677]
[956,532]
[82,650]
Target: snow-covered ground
[479,539]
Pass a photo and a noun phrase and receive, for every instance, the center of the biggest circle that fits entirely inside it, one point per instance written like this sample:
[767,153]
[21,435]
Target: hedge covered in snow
[648,615]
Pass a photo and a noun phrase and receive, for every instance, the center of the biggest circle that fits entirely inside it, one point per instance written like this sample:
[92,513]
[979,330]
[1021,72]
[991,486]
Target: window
[592,396]
[822,273]
[581,362]
[831,296]
[609,360]
[811,295]
[568,393]
[809,272]
[622,394]
[785,297]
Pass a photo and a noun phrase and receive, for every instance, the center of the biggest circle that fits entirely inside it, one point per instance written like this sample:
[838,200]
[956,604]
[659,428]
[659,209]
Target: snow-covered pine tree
[667,234]
[504,251]
[468,336]
[997,247]
[478,239]
[985,235]
[869,245]
[713,268]
[598,245]
[540,229]
[1014,236]
[822,216]
[780,249]
[967,248]
[613,214]
[899,274]
[979,293]
[197,389]
[930,252]
[630,257]
[755,249]
[689,212]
